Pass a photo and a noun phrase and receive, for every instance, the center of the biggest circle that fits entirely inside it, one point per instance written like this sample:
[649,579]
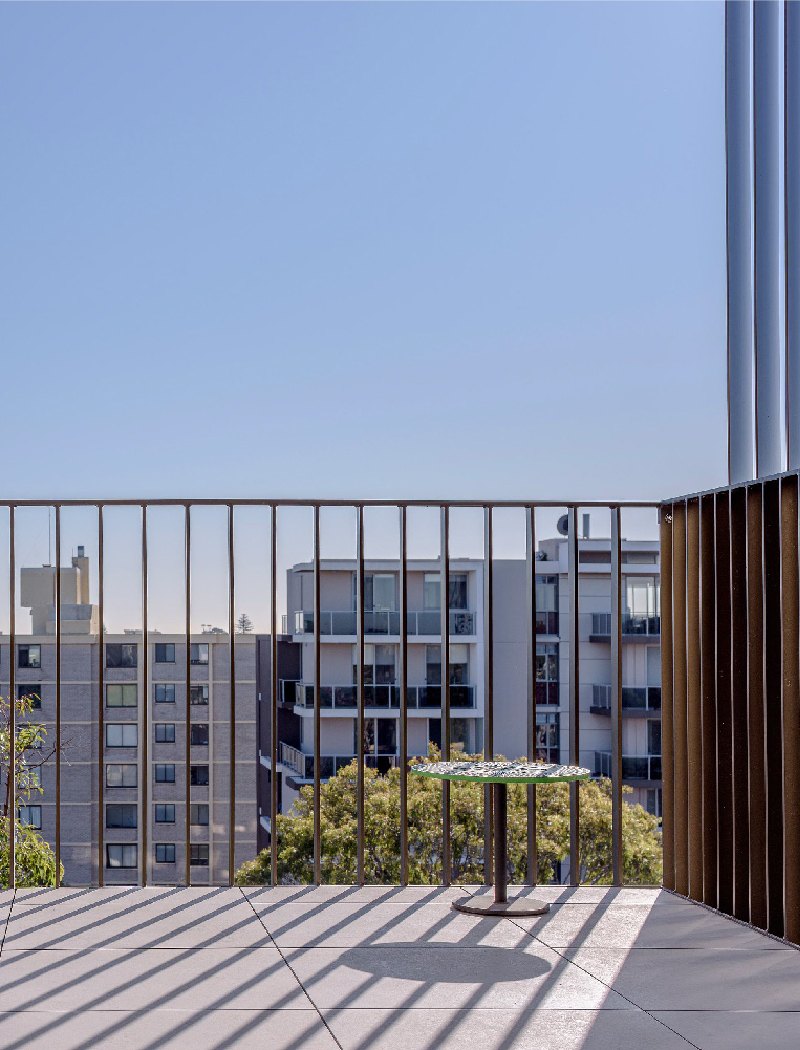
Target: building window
[165,853]
[199,652]
[31,732]
[432,589]
[121,815]
[199,736]
[199,776]
[459,664]
[654,801]
[547,736]
[198,814]
[29,656]
[654,736]
[642,603]
[379,592]
[165,653]
[122,655]
[30,816]
[547,672]
[32,693]
[165,814]
[378,664]
[122,856]
[165,773]
[119,734]
[164,693]
[121,695]
[199,854]
[165,732]
[377,731]
[460,734]
[199,694]
[122,776]
[546,604]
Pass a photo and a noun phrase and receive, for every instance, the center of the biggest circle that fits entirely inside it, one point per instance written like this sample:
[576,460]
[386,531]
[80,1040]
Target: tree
[35,863]
[244,625]
[295,832]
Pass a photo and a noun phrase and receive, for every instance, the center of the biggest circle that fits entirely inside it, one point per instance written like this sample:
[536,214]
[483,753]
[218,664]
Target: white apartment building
[127,697]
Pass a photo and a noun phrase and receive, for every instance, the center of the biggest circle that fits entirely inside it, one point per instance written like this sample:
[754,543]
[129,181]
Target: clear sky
[350,250]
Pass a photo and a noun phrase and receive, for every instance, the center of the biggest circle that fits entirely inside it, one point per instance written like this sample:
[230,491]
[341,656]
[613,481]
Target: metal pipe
[12,720]
[146,704]
[273,794]
[232,712]
[500,843]
[317,705]
[738,204]
[58,696]
[530,665]
[187,544]
[488,684]
[101,671]
[769,426]
[256,502]
[667,700]
[403,698]
[616,699]
[574,687]
[791,183]
[360,676]
[444,609]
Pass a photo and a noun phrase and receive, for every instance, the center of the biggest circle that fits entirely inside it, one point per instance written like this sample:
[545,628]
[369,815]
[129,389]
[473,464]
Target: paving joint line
[291,970]
[8,920]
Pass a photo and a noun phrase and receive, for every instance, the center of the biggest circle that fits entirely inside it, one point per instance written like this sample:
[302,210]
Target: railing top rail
[728,488]
[294,502]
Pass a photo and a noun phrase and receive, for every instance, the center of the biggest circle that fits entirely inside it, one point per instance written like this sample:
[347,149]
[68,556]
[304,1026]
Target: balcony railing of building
[634,767]
[635,699]
[145,516]
[345,697]
[426,623]
[303,764]
[635,627]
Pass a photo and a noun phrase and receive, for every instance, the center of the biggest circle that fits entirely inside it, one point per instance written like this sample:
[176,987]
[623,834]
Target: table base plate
[485,904]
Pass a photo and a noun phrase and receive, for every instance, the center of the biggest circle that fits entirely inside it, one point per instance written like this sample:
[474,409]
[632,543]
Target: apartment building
[338,666]
[133,704]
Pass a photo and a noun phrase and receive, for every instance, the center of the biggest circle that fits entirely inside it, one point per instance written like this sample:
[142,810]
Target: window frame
[123,766]
[164,728]
[28,648]
[128,729]
[161,652]
[125,689]
[127,849]
[123,648]
[167,808]
[167,853]
[127,807]
[165,778]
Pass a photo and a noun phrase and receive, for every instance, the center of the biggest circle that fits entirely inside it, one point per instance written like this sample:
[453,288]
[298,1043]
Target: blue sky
[352,250]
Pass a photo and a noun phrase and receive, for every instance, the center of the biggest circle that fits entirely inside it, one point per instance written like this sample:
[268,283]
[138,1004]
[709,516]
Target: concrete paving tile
[520,1029]
[628,926]
[348,925]
[592,894]
[739,1030]
[697,979]
[165,1030]
[351,894]
[444,976]
[155,979]
[39,896]
[154,918]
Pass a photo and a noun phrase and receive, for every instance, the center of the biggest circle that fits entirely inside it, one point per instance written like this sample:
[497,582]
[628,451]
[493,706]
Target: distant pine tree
[244,625]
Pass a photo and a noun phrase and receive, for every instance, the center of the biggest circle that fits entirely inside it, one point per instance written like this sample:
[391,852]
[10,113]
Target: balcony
[637,770]
[637,701]
[303,764]
[371,968]
[634,628]
[345,697]
[345,623]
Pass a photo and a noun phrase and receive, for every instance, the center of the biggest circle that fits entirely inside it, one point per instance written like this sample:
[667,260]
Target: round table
[500,774]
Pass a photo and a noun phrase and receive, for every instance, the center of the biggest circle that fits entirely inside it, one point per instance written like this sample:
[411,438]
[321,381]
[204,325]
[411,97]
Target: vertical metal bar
[773,673]
[232,713]
[708,678]
[500,843]
[679,717]
[725,866]
[360,675]
[146,704]
[488,684]
[530,666]
[756,757]
[667,734]
[58,695]
[444,609]
[273,667]
[187,762]
[694,742]
[769,428]
[101,672]
[403,699]
[738,206]
[791,707]
[574,696]
[12,718]
[616,698]
[791,152]
[739,719]
[317,704]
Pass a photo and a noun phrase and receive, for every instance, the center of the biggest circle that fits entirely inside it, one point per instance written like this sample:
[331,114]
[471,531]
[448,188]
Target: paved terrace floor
[390,969]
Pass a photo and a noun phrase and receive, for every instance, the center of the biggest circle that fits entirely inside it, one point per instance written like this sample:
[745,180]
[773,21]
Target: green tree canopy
[295,832]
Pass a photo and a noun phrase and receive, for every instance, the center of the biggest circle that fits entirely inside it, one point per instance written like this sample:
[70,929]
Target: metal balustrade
[345,623]
[634,698]
[360,624]
[345,697]
[632,626]
[303,764]
[634,767]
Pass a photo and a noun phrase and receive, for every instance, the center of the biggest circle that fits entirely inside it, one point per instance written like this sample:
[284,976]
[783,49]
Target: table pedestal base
[485,904]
